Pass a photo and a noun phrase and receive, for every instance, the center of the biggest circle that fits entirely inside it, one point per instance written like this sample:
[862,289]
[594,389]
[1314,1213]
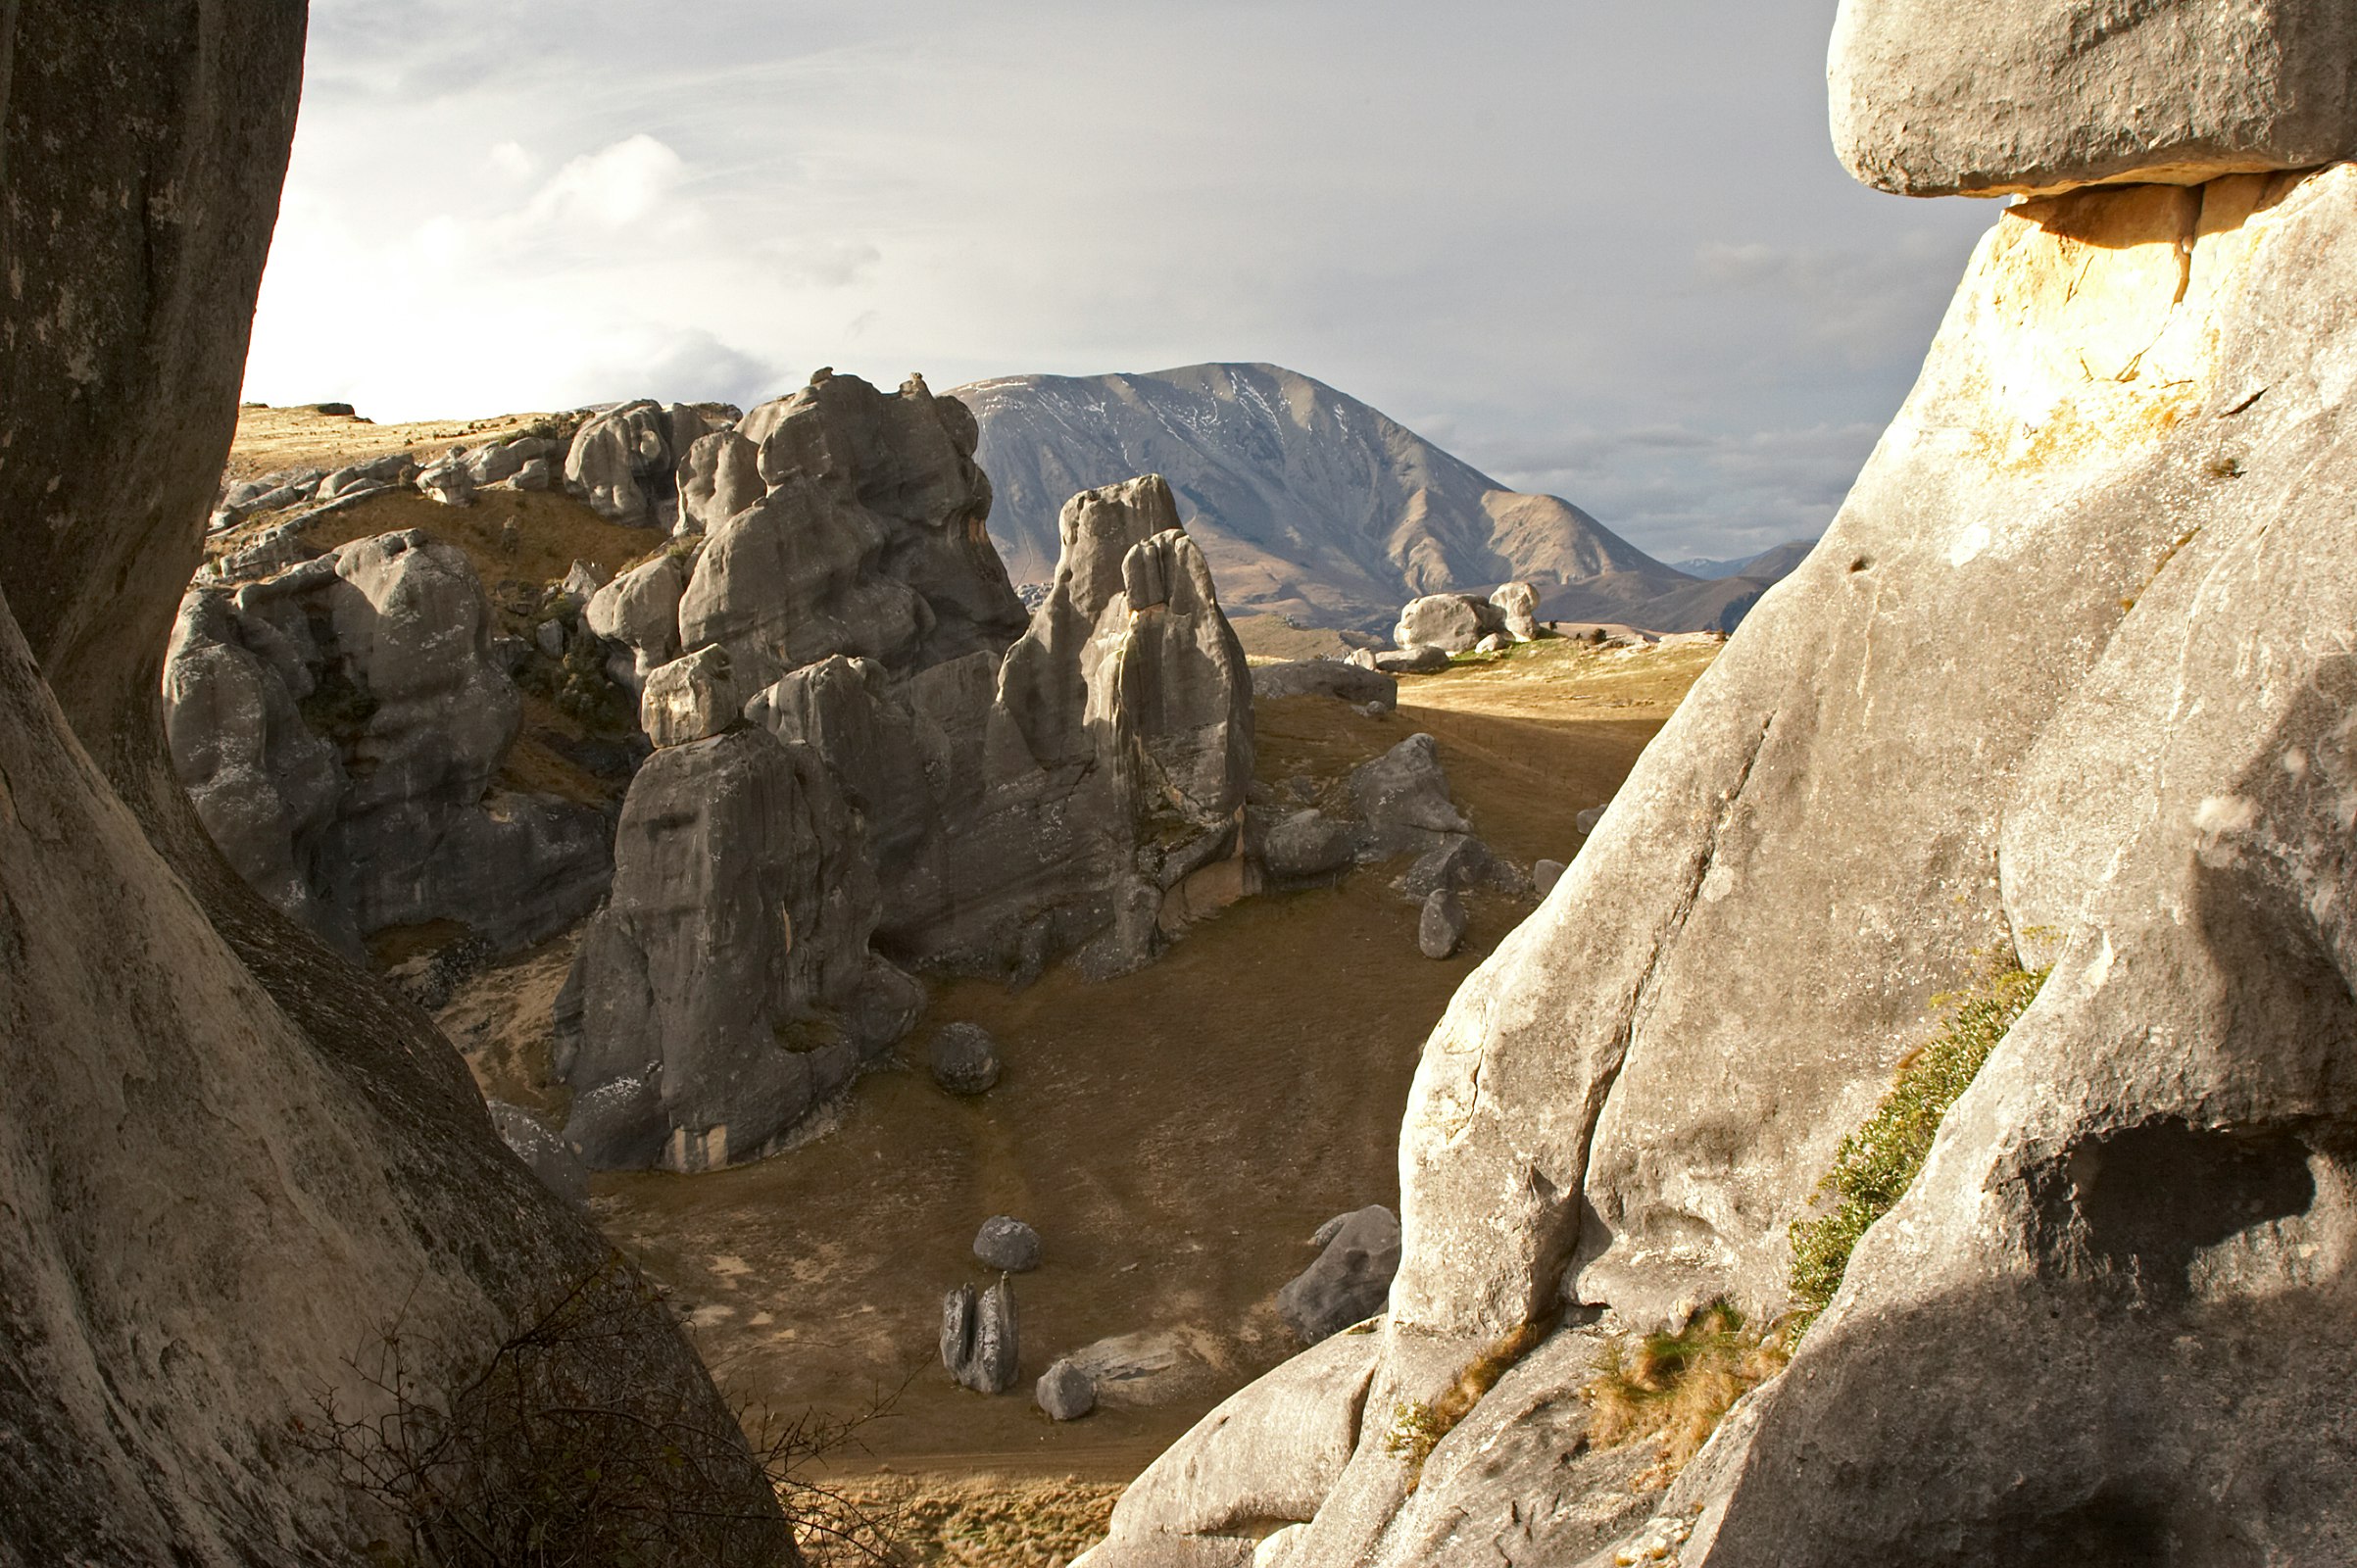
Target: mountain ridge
[1309,501]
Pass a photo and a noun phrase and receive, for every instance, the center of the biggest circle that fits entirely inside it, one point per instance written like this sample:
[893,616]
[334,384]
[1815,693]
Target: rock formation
[339,725]
[2070,679]
[234,1163]
[627,461]
[927,777]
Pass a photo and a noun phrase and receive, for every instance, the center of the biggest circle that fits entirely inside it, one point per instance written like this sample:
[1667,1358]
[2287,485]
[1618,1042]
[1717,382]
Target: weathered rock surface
[339,726]
[691,699]
[538,1145]
[233,1162]
[622,463]
[1359,1254]
[2075,650]
[979,1337]
[1065,1392]
[2015,97]
[720,476]
[1007,1245]
[1325,677]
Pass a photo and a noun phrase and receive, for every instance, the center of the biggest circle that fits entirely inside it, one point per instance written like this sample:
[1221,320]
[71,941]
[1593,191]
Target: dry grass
[1675,1387]
[302,437]
[998,1521]
[553,531]
[1276,637]
[1417,1428]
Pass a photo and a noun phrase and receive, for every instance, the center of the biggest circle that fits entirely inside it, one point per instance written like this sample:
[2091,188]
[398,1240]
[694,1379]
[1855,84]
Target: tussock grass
[1876,1165]
[1675,1387]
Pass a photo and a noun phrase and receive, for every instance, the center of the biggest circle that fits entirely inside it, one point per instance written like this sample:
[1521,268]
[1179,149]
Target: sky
[1595,248]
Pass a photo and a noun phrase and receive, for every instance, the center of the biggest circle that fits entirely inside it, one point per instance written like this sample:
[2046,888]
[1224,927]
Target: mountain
[1769,563]
[1308,503]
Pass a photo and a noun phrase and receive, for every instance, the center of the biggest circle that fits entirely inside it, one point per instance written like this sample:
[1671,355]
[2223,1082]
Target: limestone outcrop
[234,1163]
[2068,680]
[339,726]
[979,789]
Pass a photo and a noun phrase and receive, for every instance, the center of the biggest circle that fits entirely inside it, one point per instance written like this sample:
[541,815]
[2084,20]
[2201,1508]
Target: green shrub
[1876,1165]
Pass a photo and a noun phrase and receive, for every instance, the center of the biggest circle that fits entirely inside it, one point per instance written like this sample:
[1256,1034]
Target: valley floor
[1175,1135]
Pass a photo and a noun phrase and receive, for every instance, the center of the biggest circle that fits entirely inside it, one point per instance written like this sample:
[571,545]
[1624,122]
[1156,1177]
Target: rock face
[339,726]
[2076,649]
[233,1162]
[626,463]
[1006,789]
[727,987]
[1991,100]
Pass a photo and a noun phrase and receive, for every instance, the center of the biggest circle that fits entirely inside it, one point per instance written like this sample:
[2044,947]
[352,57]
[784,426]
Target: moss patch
[1875,1165]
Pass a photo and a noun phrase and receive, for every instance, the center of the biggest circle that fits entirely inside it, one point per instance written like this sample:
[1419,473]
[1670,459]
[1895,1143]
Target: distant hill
[1773,565]
[1308,503]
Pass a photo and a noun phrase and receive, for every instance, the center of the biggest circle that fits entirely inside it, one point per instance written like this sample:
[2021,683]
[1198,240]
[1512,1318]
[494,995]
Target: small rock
[539,473]
[549,637]
[1496,642]
[1545,875]
[1065,1392]
[1442,929]
[1586,821]
[965,1058]
[1007,1245]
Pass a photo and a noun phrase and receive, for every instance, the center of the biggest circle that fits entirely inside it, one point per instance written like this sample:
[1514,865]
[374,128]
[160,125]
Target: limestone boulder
[727,987]
[1007,1245]
[340,727]
[1305,847]
[869,541]
[500,461]
[640,611]
[980,1344]
[1441,925]
[690,699]
[1065,1392]
[1422,659]
[2022,98]
[448,480]
[1403,803]
[1450,622]
[963,1059]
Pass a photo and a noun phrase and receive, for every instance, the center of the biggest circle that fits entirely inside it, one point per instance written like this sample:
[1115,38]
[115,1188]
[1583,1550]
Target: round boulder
[965,1058]
[1065,1392]
[1007,1245]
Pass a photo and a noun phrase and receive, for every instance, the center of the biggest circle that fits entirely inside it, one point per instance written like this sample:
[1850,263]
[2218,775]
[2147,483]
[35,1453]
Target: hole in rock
[2154,1197]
